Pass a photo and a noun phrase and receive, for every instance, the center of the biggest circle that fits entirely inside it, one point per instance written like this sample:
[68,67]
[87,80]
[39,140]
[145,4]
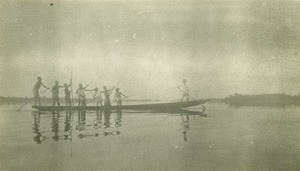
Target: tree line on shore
[263,99]
[16,100]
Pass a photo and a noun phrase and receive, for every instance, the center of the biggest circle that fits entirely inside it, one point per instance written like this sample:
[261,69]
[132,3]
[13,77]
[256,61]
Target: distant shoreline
[19,100]
[274,100]
[262,100]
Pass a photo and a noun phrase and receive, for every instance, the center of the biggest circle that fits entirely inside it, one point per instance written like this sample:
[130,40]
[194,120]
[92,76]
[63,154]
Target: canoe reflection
[185,119]
[66,125]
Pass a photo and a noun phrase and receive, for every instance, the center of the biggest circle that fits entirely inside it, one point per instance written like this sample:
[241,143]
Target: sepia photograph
[149,85]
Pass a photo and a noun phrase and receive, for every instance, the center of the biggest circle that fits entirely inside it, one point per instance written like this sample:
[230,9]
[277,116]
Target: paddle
[43,91]
[204,108]
[90,91]
[21,106]
[185,93]
[71,81]
[86,87]
[88,84]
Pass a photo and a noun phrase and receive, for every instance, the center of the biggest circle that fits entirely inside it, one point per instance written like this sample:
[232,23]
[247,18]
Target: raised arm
[89,90]
[45,86]
[87,85]
[112,88]
[70,83]
[124,95]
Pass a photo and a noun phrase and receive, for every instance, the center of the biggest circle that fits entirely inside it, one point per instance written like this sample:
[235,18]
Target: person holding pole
[55,92]
[81,94]
[107,93]
[184,90]
[118,97]
[68,94]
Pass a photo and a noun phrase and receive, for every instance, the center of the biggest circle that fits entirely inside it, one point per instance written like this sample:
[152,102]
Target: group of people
[98,95]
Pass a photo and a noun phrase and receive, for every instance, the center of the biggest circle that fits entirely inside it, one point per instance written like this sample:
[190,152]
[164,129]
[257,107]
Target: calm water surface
[221,138]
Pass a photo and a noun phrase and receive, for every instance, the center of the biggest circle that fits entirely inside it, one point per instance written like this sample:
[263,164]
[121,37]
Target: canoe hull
[155,106]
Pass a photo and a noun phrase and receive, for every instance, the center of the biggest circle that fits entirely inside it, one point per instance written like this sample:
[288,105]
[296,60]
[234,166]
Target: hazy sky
[220,47]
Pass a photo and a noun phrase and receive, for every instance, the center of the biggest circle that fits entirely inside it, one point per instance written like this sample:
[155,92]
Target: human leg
[83,102]
[79,101]
[58,101]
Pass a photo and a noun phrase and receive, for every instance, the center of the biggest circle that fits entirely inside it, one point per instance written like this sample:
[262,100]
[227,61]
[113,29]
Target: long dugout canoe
[152,106]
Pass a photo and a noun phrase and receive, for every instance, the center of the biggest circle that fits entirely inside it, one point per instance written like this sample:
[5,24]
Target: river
[221,138]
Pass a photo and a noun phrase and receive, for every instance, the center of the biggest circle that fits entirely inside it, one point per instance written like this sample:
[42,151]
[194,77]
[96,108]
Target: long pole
[186,93]
[204,108]
[21,106]
[72,86]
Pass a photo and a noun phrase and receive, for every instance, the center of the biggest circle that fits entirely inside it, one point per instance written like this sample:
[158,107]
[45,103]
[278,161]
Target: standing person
[68,94]
[35,90]
[106,96]
[98,97]
[81,95]
[184,90]
[55,91]
[118,97]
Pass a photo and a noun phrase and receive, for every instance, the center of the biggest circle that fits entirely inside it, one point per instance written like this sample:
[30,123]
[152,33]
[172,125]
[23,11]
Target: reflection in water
[81,120]
[98,120]
[185,119]
[106,118]
[67,129]
[107,124]
[185,122]
[94,124]
[36,124]
[118,118]
[55,125]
